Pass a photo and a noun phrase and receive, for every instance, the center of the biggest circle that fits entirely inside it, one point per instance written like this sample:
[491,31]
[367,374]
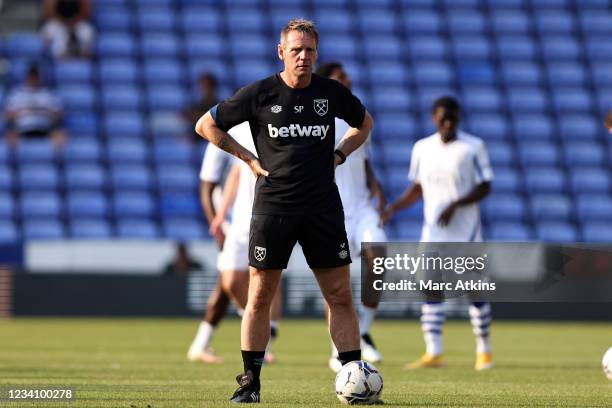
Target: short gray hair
[301,25]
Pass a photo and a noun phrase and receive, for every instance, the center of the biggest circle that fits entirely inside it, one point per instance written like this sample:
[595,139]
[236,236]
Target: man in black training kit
[291,116]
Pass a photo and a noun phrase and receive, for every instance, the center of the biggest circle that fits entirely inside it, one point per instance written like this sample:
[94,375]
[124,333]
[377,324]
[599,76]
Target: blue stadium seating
[116,45]
[38,177]
[85,176]
[331,21]
[428,48]
[596,22]
[179,204]
[246,20]
[131,177]
[375,21]
[90,229]
[78,97]
[583,154]
[592,207]
[590,180]
[251,46]
[516,47]
[391,100]
[205,46]
[572,100]
[137,229]
[578,127]
[24,45]
[556,231]
[602,74]
[157,71]
[597,232]
[117,71]
[201,20]
[524,73]
[124,124]
[464,22]
[422,22]
[527,100]
[87,204]
[383,48]
[437,74]
[166,98]
[488,126]
[558,22]
[127,151]
[533,127]
[566,75]
[183,229]
[113,19]
[551,207]
[8,231]
[115,97]
[155,19]
[160,46]
[72,71]
[6,178]
[388,73]
[42,229]
[507,180]
[510,22]
[545,180]
[504,207]
[7,206]
[481,99]
[38,204]
[82,150]
[177,178]
[501,154]
[35,151]
[133,204]
[509,231]
[561,48]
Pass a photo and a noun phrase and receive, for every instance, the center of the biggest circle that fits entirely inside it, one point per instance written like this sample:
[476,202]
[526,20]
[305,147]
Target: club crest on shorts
[260,253]
[320,106]
[343,252]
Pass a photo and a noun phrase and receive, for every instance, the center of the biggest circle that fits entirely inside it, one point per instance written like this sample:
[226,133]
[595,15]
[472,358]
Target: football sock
[204,336]
[432,319]
[252,360]
[239,311]
[366,317]
[480,317]
[367,339]
[273,330]
[334,350]
[348,356]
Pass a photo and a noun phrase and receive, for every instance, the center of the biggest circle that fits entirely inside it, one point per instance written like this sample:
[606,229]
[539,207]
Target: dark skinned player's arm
[478,193]
[206,200]
[410,196]
[374,186]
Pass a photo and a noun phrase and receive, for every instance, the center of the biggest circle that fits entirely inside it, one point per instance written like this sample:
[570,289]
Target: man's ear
[280,52]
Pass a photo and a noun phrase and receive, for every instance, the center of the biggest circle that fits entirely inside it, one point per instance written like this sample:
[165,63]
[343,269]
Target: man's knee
[340,297]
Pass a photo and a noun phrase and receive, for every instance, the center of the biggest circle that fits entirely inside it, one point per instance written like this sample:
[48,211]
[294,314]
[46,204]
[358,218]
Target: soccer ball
[358,382]
[607,363]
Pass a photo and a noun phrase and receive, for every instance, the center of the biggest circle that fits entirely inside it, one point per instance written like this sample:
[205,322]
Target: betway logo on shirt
[294,130]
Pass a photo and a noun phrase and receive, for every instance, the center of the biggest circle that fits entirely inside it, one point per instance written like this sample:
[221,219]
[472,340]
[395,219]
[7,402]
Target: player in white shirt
[357,184]
[238,195]
[450,170]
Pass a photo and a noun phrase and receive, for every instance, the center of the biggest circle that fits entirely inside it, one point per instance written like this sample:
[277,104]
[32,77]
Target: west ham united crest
[260,253]
[320,106]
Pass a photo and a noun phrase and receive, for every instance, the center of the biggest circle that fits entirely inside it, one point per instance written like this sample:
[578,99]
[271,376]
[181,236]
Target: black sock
[273,333]
[348,356]
[253,360]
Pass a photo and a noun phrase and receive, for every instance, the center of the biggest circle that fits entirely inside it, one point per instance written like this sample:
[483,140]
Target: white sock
[432,319]
[366,318]
[239,311]
[334,350]
[203,336]
[480,317]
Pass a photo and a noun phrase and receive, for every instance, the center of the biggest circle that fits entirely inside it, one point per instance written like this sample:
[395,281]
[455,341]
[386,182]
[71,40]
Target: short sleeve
[213,164]
[350,108]
[413,173]
[482,166]
[235,110]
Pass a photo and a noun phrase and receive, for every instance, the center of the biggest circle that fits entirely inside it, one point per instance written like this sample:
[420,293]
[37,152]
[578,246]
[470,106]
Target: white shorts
[364,227]
[235,253]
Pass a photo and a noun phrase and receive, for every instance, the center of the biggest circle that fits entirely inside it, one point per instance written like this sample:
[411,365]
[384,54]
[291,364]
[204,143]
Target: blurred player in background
[450,170]
[608,122]
[233,261]
[357,184]
[292,119]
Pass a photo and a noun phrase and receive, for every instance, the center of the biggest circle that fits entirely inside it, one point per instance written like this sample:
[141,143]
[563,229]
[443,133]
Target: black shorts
[322,237]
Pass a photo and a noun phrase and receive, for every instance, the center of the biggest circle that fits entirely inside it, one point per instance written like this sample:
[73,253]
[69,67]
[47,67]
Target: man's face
[299,53]
[341,76]
[446,121]
[33,80]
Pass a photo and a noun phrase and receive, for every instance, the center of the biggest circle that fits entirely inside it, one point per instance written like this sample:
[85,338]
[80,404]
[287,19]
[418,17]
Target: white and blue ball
[358,382]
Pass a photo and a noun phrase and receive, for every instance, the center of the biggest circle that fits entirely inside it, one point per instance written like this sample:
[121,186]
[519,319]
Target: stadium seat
[509,231]
[74,71]
[515,48]
[426,97]
[123,151]
[251,70]
[389,100]
[168,71]
[250,46]
[596,22]
[377,21]
[421,22]
[137,229]
[170,152]
[155,19]
[506,179]
[133,204]
[551,207]
[466,22]
[556,231]
[429,47]
[221,70]
[574,99]
[284,11]
[533,127]
[90,228]
[81,123]
[180,205]
[177,178]
[481,99]
[408,230]
[183,229]
[43,229]
[121,97]
[35,151]
[583,153]
[557,22]
[166,98]
[131,177]
[42,177]
[78,97]
[339,47]
[7,205]
[527,100]
[158,45]
[334,21]
[388,74]
[604,99]
[599,48]
[113,19]
[564,48]
[476,73]
[578,127]
[87,204]
[6,178]
[124,124]
[85,176]
[590,180]
[383,48]
[504,207]
[24,45]
[514,22]
[517,74]
[488,126]
[566,74]
[205,46]
[501,154]
[597,232]
[602,74]
[433,74]
[397,158]
[471,48]
[6,154]
[117,71]
[38,204]
[116,45]
[397,127]
[545,180]
[169,124]
[82,150]
[8,232]
[593,207]
[197,19]
[245,20]
[506,5]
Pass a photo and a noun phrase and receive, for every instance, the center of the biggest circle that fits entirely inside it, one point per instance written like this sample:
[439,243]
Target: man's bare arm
[478,193]
[207,128]
[355,137]
[410,196]
[206,200]
[374,186]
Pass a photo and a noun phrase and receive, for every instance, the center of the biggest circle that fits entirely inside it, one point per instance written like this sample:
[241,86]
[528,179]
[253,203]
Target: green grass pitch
[141,363]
